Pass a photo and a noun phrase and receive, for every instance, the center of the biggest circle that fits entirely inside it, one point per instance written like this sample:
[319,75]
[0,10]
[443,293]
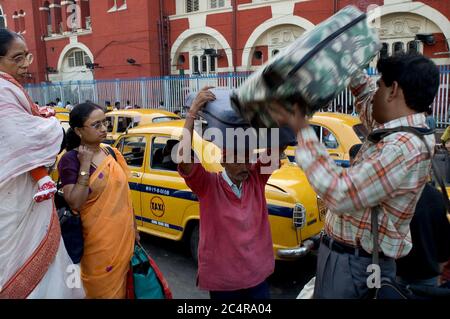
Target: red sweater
[235,248]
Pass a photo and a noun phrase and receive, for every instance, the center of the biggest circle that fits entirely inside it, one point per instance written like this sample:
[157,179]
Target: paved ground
[180,271]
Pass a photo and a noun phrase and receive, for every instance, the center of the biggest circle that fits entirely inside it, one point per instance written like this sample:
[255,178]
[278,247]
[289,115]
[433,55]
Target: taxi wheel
[193,242]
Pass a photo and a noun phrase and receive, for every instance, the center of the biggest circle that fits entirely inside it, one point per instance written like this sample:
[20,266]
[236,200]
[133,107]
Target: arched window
[48,18]
[58,17]
[78,58]
[21,21]
[16,21]
[195,69]
[212,64]
[2,19]
[87,16]
[74,19]
[204,64]
[413,46]
[398,47]
[384,50]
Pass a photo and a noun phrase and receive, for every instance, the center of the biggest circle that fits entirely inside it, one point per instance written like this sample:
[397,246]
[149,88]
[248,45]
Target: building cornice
[67,35]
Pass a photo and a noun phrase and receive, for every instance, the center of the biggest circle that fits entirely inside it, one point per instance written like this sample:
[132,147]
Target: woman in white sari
[33,260]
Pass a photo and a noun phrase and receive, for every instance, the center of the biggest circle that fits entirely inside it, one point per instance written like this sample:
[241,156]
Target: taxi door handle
[136,174]
[334,154]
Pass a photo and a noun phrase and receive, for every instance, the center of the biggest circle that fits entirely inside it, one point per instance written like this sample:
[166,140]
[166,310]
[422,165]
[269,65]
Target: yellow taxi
[121,120]
[61,110]
[164,205]
[338,133]
[62,114]
[64,120]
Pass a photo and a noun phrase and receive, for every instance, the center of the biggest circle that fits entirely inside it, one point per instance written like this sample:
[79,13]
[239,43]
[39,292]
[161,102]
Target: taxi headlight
[299,216]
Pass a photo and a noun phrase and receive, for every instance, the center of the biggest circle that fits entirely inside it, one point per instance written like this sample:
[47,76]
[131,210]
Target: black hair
[77,118]
[417,76]
[6,38]
[353,151]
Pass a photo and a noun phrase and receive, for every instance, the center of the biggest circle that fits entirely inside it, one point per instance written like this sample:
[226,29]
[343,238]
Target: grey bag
[221,115]
[313,70]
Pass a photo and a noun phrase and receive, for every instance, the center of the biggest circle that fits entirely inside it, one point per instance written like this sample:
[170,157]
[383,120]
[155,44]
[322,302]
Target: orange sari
[108,230]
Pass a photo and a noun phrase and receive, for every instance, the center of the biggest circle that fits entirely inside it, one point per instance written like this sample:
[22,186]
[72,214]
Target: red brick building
[108,39]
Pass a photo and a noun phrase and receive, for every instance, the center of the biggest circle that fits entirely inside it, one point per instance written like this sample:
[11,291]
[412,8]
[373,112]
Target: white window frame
[203,7]
[405,41]
[123,6]
[115,7]
[88,23]
[193,4]
[72,59]
[419,47]
[193,69]
[200,64]
[219,4]
[49,23]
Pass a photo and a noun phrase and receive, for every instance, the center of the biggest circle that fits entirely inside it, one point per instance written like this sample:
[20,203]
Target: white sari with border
[33,260]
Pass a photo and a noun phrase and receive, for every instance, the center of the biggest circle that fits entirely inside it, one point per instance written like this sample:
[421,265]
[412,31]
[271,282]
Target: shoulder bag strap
[111,152]
[375,248]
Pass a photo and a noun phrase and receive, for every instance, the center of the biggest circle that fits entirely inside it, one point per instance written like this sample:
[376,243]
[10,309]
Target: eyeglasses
[21,59]
[98,125]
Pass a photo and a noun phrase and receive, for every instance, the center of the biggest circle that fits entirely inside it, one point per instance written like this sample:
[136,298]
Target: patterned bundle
[313,70]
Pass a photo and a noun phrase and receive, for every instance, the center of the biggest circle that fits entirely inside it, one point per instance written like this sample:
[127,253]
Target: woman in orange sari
[95,184]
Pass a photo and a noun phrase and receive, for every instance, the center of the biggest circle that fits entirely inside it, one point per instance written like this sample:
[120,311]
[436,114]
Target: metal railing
[172,91]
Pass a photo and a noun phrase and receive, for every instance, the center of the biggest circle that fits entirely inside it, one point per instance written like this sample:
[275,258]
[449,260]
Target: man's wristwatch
[83,173]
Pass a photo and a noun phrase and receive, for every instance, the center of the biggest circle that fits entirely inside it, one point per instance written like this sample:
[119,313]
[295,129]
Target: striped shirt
[236,190]
[390,174]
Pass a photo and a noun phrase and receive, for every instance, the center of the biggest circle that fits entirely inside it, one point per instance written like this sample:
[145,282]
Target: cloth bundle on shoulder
[221,116]
[313,70]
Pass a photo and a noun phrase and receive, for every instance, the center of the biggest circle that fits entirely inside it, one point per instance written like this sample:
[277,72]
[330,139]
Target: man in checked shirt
[389,175]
